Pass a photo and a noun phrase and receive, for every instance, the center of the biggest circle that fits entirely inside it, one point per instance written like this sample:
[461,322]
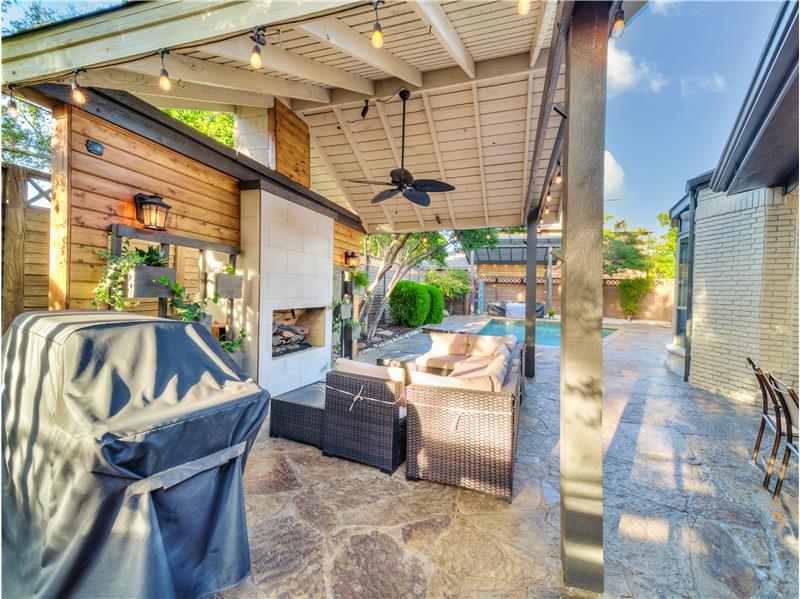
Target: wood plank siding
[292,144]
[90,193]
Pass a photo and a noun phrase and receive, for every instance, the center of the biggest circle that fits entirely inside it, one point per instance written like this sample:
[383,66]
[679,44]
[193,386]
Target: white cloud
[714,83]
[613,176]
[625,74]
[664,7]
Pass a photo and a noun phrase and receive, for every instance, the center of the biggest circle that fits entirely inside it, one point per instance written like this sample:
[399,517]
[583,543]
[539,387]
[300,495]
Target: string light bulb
[425,239]
[163,79]
[547,209]
[558,175]
[11,109]
[455,237]
[377,30]
[78,95]
[549,197]
[523,7]
[619,25]
[488,236]
[259,40]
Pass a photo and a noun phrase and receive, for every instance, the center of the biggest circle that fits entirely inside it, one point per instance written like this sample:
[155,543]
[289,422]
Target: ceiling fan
[401,180]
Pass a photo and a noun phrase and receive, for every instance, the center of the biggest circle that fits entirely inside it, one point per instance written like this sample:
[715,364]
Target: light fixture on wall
[163,78]
[523,7]
[260,39]
[350,259]
[619,25]
[151,211]
[11,109]
[78,95]
[377,30]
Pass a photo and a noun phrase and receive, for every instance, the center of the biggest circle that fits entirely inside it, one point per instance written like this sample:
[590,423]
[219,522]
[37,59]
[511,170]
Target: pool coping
[476,324]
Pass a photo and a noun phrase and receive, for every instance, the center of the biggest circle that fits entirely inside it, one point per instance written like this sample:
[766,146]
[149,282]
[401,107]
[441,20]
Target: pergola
[509,108]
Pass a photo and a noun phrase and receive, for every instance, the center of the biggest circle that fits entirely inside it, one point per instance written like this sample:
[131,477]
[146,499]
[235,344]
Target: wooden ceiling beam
[438,151]
[387,128]
[525,163]
[432,14]
[185,104]
[333,32]
[137,83]
[140,29]
[438,80]
[555,56]
[362,161]
[547,12]
[479,141]
[210,73]
[276,58]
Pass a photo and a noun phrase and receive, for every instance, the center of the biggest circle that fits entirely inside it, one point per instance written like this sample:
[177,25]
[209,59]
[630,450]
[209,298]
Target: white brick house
[737,275]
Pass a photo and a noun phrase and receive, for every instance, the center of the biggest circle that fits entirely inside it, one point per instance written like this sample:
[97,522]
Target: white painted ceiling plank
[432,14]
[479,140]
[547,12]
[323,155]
[437,150]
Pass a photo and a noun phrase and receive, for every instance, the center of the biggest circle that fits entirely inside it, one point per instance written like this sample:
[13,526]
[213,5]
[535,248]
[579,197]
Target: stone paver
[685,513]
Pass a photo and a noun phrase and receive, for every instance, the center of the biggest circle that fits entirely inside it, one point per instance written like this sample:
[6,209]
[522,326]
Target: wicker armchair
[364,420]
[466,437]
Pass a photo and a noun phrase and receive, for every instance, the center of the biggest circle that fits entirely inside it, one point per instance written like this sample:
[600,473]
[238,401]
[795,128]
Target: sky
[676,81]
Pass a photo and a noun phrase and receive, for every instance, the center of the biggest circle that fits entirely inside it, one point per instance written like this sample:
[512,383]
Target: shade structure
[125,439]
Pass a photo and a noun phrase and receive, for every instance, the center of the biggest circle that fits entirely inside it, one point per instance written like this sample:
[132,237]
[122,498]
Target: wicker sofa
[463,412]
[365,414]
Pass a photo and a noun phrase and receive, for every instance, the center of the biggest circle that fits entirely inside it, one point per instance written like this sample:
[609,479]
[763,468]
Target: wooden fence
[415,274]
[26,245]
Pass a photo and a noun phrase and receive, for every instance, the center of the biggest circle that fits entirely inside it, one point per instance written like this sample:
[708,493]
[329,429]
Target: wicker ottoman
[299,415]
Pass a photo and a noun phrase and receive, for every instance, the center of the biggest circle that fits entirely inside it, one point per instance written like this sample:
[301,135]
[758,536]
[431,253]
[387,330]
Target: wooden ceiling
[475,69]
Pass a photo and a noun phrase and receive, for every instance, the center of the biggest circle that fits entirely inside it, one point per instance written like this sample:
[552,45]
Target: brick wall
[745,272]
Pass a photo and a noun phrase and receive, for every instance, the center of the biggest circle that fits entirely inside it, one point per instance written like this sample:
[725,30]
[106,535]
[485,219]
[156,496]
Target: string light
[549,197]
[163,79]
[619,25]
[523,7]
[77,91]
[260,40]
[377,30]
[455,237]
[12,110]
[547,209]
[558,175]
[425,239]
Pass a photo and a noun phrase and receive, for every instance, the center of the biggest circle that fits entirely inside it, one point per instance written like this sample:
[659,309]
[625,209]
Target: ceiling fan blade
[420,198]
[432,185]
[384,195]
[364,182]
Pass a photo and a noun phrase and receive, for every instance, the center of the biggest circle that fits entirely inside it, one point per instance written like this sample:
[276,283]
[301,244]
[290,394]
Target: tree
[406,250]
[217,125]
[625,249]
[663,256]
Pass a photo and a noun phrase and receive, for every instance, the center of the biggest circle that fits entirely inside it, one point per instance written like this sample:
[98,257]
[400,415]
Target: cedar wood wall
[90,193]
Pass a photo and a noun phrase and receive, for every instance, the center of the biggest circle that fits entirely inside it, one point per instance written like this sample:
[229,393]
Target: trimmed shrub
[632,292]
[410,303]
[436,311]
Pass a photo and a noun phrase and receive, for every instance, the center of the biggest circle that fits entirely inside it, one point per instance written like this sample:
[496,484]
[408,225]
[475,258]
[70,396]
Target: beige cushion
[497,372]
[479,383]
[502,350]
[510,341]
[448,344]
[483,345]
[372,370]
[471,366]
[440,362]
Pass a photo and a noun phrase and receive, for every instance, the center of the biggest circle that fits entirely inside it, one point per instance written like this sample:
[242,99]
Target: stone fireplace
[287,256]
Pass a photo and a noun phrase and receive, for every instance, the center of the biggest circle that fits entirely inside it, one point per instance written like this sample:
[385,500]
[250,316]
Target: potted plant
[551,313]
[114,287]
[143,280]
[227,283]
[188,309]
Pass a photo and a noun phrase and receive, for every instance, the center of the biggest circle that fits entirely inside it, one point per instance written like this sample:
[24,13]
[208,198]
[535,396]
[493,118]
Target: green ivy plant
[360,280]
[190,310]
[112,287]
[233,345]
[228,269]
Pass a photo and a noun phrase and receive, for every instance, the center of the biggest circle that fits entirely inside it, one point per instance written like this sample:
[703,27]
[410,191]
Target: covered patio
[684,512]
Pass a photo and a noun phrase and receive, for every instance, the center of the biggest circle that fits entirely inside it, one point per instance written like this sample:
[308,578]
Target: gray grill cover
[124,442]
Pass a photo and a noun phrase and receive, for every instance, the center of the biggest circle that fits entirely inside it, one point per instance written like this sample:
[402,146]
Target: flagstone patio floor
[685,513]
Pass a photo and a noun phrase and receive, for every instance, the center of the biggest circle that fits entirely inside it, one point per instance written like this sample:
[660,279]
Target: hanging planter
[134,273]
[143,281]
[228,284]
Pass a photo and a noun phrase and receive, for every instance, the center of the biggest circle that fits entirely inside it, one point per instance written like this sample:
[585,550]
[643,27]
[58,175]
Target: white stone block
[274,260]
[285,236]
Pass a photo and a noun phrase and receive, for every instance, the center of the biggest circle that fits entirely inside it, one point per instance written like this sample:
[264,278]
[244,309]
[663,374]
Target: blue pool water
[547,333]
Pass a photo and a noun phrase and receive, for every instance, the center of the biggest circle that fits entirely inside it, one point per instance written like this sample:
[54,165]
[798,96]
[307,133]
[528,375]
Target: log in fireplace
[297,329]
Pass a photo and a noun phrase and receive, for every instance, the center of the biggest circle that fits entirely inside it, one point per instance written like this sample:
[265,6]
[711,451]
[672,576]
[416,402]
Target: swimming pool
[547,333]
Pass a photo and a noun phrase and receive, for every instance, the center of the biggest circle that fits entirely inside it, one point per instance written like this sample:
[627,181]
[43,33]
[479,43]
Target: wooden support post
[549,281]
[13,243]
[581,440]
[530,295]
[60,212]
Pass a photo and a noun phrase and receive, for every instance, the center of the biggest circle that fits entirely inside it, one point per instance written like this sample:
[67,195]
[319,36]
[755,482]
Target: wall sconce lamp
[351,259]
[151,211]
